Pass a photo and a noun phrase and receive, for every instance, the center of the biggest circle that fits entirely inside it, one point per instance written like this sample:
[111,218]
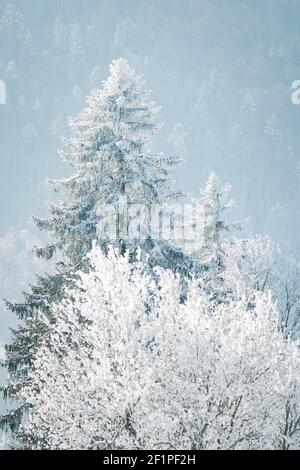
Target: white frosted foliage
[183,376]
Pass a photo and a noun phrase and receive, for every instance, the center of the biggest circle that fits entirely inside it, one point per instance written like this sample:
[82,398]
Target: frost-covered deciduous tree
[252,265]
[114,375]
[93,371]
[287,294]
[257,264]
[225,376]
[110,151]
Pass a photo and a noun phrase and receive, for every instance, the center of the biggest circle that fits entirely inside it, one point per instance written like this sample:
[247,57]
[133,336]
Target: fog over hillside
[222,72]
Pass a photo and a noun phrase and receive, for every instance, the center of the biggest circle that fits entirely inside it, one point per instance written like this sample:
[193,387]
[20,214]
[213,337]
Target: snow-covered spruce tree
[186,376]
[109,149]
[213,235]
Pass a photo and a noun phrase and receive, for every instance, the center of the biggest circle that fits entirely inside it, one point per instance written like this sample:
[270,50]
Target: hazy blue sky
[221,70]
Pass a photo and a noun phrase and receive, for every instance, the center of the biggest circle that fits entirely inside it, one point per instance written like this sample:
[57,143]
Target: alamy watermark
[295,97]
[139,221]
[2,92]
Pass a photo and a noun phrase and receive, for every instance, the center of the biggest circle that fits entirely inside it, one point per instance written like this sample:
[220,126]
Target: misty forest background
[222,72]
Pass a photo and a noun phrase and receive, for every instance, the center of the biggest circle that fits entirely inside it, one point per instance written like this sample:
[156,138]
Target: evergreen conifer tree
[109,149]
[214,235]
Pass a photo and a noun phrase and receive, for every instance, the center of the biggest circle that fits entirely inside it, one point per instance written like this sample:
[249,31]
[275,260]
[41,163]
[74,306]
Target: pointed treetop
[215,189]
[121,77]
[122,105]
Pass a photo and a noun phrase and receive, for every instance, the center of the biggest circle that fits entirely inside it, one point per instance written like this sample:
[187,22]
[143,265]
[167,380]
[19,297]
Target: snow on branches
[137,344]
[115,374]
[110,151]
